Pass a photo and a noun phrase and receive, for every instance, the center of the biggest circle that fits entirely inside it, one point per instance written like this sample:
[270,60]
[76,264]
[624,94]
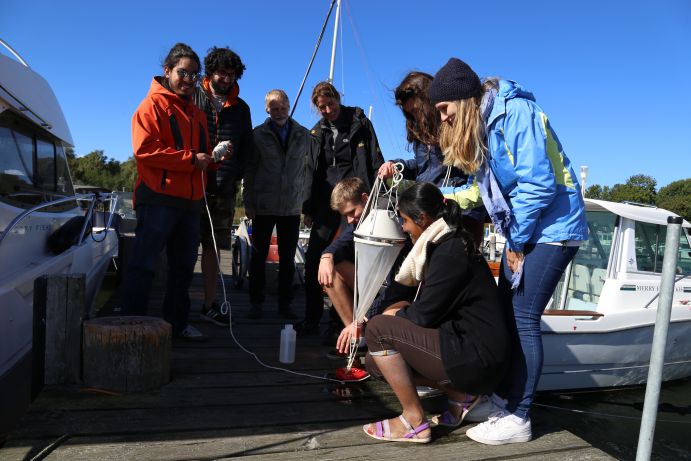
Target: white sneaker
[190,333]
[501,428]
[488,405]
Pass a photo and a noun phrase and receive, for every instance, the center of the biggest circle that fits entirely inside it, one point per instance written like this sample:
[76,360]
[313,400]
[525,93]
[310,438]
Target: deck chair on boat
[580,282]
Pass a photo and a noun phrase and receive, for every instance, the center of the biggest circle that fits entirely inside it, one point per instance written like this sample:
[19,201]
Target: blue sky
[611,75]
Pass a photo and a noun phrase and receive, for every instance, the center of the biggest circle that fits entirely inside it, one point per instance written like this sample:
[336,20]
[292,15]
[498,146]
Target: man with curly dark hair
[230,124]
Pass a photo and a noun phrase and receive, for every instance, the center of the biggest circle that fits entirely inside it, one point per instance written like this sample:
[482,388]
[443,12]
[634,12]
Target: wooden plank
[221,396]
[56,289]
[307,442]
[75,311]
[64,308]
[207,416]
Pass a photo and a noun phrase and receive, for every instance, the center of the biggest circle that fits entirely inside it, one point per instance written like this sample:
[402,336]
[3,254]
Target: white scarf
[413,267]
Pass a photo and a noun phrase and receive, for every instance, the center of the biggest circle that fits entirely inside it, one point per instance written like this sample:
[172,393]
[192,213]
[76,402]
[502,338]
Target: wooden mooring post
[127,354]
[57,338]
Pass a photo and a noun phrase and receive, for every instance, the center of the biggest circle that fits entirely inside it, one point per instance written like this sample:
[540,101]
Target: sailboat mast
[333,46]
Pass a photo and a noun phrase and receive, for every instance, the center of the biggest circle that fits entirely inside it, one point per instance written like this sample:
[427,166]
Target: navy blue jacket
[428,166]
[343,247]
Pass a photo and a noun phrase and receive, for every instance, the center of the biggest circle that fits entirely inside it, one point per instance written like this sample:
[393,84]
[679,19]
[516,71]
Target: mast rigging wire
[314,55]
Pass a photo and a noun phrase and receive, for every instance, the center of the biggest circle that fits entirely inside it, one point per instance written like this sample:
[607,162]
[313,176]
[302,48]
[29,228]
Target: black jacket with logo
[353,153]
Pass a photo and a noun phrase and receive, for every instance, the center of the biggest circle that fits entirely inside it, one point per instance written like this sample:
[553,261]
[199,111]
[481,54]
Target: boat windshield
[588,270]
[33,167]
[125,206]
[650,249]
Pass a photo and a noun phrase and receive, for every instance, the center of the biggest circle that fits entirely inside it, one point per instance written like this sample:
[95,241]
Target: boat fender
[67,235]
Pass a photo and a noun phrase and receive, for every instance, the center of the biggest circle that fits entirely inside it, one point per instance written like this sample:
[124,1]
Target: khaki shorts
[222,211]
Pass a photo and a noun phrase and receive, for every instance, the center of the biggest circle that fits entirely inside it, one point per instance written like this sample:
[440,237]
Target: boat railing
[14,52]
[631,202]
[593,315]
[93,199]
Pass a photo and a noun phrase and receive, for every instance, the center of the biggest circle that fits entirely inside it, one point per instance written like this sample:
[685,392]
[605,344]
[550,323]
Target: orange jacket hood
[167,133]
[232,98]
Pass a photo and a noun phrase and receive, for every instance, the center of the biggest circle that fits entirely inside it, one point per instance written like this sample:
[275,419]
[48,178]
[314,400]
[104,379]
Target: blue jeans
[176,230]
[542,268]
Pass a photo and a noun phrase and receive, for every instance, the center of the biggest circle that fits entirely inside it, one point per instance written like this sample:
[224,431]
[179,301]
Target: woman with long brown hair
[422,132]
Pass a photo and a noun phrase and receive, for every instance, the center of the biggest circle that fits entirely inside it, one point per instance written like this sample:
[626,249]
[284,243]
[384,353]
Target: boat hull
[15,392]
[584,360]
[17,314]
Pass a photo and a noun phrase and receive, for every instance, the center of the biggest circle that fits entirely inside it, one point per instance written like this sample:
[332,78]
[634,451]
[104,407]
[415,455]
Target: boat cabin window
[588,270]
[33,167]
[15,170]
[45,162]
[650,249]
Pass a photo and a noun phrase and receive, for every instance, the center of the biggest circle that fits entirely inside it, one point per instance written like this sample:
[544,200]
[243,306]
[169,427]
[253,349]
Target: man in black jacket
[228,118]
[343,145]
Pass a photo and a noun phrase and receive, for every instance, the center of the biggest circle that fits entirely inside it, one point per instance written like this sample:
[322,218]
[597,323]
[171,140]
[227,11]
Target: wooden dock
[222,403]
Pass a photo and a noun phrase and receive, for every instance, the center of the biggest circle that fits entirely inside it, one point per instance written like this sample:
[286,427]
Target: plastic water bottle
[287,352]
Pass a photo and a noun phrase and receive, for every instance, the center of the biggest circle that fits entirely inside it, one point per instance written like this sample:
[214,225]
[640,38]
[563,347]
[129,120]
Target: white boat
[598,331]
[36,199]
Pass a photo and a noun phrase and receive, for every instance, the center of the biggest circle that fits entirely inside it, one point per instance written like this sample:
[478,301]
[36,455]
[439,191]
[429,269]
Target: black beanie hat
[456,80]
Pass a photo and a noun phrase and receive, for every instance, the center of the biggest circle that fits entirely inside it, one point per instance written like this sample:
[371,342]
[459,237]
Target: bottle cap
[289,326]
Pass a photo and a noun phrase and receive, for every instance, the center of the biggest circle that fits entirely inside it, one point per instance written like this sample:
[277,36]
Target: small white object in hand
[221,149]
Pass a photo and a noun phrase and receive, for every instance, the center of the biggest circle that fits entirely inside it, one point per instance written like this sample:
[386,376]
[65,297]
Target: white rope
[343,86]
[396,179]
[447,177]
[226,308]
[605,415]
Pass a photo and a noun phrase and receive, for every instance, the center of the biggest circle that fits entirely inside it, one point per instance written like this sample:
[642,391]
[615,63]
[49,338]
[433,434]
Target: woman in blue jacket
[497,131]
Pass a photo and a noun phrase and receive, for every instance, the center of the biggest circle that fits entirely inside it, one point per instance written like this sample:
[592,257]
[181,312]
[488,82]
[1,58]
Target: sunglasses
[225,75]
[182,73]
[402,95]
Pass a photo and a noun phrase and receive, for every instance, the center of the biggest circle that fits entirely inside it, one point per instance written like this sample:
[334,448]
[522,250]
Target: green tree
[676,197]
[599,192]
[128,175]
[594,191]
[96,169]
[638,188]
[71,160]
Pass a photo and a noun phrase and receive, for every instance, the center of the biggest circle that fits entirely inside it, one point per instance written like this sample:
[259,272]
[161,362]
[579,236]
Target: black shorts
[222,211]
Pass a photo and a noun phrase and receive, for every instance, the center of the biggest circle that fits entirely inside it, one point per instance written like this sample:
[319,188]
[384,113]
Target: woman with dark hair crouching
[453,336]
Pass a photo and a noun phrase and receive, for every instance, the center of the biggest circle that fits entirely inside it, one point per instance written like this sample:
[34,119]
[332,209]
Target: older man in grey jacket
[273,195]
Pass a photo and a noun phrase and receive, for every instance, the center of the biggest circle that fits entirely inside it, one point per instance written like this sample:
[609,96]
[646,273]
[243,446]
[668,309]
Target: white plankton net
[378,240]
